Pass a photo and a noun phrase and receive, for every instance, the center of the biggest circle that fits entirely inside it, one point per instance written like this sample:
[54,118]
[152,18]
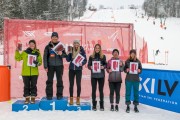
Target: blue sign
[160,88]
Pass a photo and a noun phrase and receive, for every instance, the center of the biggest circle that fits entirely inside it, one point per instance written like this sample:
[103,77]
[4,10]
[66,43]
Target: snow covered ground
[145,28]
[146,113]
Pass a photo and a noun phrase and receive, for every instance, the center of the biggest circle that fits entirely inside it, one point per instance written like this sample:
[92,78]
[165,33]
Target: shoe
[94,106]
[136,109]
[49,98]
[59,97]
[33,100]
[27,100]
[71,101]
[128,109]
[78,101]
[101,105]
[116,108]
[112,107]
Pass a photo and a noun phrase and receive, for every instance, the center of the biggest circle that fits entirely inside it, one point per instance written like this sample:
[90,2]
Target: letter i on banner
[96,67]
[115,65]
[133,68]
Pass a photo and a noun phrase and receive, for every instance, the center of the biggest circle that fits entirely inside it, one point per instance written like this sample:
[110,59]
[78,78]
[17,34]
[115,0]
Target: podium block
[54,104]
[83,106]
[20,106]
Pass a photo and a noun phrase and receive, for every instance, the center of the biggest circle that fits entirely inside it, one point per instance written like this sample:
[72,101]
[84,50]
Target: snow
[151,33]
[146,113]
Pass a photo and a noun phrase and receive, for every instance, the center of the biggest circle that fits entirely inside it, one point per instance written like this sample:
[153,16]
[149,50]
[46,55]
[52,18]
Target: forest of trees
[42,9]
[162,8]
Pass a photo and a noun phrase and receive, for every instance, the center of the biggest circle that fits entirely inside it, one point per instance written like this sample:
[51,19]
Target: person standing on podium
[31,60]
[53,63]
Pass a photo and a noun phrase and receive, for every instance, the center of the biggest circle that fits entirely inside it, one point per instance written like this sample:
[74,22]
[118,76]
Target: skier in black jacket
[53,62]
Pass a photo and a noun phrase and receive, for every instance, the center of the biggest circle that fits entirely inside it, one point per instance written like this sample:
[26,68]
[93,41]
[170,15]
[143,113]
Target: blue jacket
[70,59]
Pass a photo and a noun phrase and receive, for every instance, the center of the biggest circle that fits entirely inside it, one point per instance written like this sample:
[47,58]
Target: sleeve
[69,57]
[140,66]
[45,57]
[89,62]
[64,55]
[84,55]
[122,67]
[126,66]
[39,59]
[108,66]
[104,62]
[18,56]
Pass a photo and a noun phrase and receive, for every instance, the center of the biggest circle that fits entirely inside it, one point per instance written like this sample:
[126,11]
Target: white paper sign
[31,58]
[115,65]
[59,47]
[96,65]
[78,60]
[133,68]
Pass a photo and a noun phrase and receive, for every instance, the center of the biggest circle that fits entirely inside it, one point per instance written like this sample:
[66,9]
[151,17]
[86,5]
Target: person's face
[97,49]
[54,39]
[32,45]
[133,55]
[76,45]
[115,54]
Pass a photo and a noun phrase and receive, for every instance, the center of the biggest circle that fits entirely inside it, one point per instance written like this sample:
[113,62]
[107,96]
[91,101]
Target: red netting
[109,35]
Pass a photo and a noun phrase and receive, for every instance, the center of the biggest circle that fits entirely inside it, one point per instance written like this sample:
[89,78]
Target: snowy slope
[151,33]
[146,113]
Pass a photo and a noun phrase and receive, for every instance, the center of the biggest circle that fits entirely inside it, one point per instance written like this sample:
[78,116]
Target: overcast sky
[115,3]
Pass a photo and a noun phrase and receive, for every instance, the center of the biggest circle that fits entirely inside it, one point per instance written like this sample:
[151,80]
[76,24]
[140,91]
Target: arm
[108,66]
[140,67]
[104,62]
[18,56]
[45,57]
[122,67]
[39,60]
[84,55]
[69,57]
[64,55]
[126,67]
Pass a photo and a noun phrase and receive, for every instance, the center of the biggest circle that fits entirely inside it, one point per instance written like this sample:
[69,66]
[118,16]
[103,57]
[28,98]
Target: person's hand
[110,70]
[127,70]
[46,70]
[102,67]
[120,63]
[59,52]
[80,64]
[139,70]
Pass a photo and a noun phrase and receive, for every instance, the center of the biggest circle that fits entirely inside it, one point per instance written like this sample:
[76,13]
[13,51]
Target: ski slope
[151,33]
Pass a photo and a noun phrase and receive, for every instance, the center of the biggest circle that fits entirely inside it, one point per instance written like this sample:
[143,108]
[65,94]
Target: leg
[101,89]
[136,93]
[26,80]
[71,82]
[59,85]
[78,81]
[111,88]
[49,82]
[34,85]
[94,87]
[117,90]
[128,92]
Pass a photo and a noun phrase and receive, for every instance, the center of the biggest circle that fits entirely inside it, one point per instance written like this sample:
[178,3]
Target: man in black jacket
[53,62]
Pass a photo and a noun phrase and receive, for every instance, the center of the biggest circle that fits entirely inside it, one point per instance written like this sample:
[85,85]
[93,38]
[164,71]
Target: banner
[160,88]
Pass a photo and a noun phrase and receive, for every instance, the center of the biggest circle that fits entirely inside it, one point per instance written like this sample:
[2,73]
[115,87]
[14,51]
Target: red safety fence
[109,35]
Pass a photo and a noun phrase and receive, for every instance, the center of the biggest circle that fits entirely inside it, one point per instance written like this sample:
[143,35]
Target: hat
[32,41]
[132,51]
[54,34]
[115,50]
[76,41]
